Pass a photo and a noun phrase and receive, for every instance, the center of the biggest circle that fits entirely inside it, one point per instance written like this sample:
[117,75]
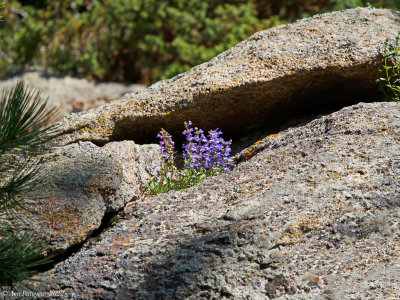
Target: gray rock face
[84,183]
[314,214]
[276,72]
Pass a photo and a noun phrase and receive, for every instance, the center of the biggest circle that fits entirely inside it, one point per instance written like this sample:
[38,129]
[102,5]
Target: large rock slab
[318,61]
[84,183]
[313,214]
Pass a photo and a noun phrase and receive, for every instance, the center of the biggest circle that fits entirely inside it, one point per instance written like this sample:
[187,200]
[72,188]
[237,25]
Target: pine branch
[18,189]
[24,119]
[19,257]
[24,134]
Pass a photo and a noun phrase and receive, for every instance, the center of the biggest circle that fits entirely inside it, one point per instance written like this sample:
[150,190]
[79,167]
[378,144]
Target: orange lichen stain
[257,142]
[333,175]
[62,217]
[122,241]
[250,152]
[272,135]
[150,203]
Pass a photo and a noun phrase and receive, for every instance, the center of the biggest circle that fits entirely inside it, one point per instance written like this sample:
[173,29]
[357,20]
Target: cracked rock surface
[312,214]
[84,183]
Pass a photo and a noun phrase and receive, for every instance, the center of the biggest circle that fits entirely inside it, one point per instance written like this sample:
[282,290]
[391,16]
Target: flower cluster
[167,146]
[202,157]
[201,152]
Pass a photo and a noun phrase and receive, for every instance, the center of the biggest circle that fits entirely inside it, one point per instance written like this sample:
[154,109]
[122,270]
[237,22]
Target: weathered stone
[313,214]
[315,62]
[85,182]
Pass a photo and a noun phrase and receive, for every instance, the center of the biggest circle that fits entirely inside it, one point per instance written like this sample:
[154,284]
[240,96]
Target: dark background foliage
[140,40]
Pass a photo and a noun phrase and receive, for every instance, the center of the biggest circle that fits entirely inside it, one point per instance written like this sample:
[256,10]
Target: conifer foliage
[25,133]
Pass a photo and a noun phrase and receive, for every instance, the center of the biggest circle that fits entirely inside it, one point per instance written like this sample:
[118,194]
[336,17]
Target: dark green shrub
[141,40]
[128,40]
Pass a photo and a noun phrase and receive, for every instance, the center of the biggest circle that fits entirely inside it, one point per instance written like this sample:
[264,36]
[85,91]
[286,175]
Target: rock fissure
[243,110]
[106,223]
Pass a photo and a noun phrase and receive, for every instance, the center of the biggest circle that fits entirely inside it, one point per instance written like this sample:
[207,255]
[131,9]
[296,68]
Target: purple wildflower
[167,145]
[207,153]
[152,167]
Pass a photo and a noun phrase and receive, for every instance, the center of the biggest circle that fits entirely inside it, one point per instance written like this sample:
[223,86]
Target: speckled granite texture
[313,214]
[83,183]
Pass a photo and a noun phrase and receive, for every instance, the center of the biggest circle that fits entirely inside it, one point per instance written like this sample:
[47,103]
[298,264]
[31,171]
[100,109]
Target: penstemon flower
[218,151]
[167,145]
[209,153]
[202,157]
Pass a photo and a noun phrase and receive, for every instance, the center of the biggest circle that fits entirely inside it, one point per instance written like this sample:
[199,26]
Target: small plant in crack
[390,83]
[203,156]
